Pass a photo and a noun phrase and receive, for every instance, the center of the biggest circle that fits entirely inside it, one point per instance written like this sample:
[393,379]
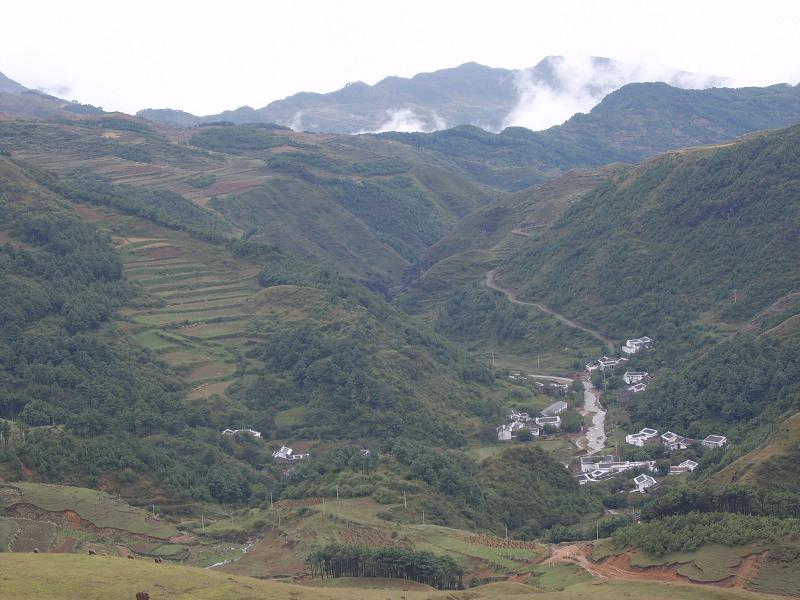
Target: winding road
[492,284]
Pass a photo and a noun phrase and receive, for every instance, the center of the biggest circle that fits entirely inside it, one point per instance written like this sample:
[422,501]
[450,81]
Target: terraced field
[195,311]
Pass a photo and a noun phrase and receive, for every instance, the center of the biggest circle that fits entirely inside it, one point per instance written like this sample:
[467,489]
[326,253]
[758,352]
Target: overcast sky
[205,56]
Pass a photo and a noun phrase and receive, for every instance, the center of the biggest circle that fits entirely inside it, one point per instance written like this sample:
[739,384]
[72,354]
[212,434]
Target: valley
[238,360]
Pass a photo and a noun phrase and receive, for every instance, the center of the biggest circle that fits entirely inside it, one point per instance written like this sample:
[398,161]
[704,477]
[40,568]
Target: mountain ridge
[470,93]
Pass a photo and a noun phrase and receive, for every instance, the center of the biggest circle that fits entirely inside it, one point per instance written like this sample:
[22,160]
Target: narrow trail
[491,284]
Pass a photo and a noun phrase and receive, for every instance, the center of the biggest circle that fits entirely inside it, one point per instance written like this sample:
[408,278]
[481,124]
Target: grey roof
[554,408]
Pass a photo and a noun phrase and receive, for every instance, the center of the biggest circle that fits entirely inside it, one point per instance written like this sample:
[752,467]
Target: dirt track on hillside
[490,283]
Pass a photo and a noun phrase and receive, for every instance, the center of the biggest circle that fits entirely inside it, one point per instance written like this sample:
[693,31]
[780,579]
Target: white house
[522,417]
[673,441]
[510,431]
[283,453]
[634,376]
[252,432]
[686,466]
[637,387]
[715,441]
[554,421]
[555,408]
[633,346]
[641,438]
[286,453]
[643,482]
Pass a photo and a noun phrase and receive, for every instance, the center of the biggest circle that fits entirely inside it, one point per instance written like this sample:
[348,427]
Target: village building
[253,432]
[285,453]
[554,421]
[641,438]
[637,388]
[634,376]
[715,441]
[509,431]
[604,362]
[686,466]
[635,345]
[517,416]
[673,441]
[555,409]
[553,389]
[643,482]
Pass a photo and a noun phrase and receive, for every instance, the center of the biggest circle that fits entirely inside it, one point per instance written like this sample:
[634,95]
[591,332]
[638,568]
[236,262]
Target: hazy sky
[204,56]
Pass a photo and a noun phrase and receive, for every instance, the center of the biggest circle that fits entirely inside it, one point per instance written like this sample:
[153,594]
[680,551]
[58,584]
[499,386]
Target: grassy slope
[757,466]
[65,576]
[101,509]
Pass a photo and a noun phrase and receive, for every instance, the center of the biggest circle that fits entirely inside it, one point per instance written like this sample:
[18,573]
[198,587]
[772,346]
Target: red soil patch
[162,252]
[88,214]
[67,546]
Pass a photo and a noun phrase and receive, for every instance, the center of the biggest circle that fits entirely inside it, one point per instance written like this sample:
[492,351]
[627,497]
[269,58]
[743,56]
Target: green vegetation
[237,139]
[690,532]
[678,241]
[163,207]
[202,180]
[338,560]
[529,491]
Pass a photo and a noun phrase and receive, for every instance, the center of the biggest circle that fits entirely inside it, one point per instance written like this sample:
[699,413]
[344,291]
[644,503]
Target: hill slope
[9,86]
[704,235]
[630,124]
[365,209]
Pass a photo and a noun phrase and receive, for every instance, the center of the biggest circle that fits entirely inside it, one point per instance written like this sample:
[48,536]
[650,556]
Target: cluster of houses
[672,441]
[595,469]
[634,379]
[522,421]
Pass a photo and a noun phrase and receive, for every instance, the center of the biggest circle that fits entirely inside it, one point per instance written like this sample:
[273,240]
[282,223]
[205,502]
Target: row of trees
[341,560]
[729,499]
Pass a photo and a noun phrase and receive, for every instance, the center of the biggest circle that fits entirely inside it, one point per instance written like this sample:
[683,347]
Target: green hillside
[366,209]
[629,125]
[684,245]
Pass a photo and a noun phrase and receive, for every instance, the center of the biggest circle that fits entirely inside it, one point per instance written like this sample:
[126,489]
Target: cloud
[55,90]
[297,121]
[406,120]
[559,87]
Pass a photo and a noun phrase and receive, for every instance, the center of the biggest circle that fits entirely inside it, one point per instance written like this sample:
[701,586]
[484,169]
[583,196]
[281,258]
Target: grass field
[58,577]
[101,509]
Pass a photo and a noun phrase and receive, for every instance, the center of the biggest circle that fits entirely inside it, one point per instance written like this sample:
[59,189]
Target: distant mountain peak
[9,86]
[468,94]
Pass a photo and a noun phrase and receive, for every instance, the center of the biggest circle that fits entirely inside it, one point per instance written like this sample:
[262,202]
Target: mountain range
[470,94]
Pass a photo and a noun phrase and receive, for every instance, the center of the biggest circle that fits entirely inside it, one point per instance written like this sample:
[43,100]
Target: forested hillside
[366,209]
[629,125]
[686,243]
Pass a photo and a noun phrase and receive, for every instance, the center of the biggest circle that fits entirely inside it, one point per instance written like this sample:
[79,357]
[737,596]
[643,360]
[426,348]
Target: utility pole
[506,526]
[423,516]
[734,296]
[323,505]
[598,531]
[405,504]
[337,492]
[538,363]
[203,520]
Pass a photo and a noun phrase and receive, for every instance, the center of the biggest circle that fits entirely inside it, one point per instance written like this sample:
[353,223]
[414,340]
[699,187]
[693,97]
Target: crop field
[201,322]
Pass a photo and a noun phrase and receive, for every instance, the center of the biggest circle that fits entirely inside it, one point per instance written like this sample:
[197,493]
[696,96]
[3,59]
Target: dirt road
[490,283]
